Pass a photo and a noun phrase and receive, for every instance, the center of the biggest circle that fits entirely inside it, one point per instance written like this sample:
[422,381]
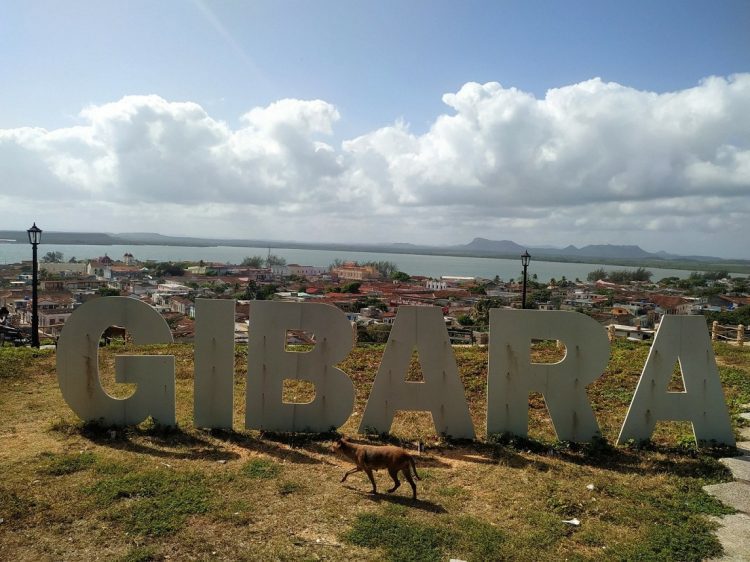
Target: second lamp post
[525,259]
[35,237]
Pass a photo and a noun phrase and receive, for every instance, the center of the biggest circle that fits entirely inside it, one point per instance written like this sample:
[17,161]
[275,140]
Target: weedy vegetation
[77,491]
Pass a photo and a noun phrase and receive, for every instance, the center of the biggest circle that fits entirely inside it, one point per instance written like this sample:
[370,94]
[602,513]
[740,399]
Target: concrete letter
[441,392]
[214,363]
[78,367]
[512,376]
[269,364]
[683,338]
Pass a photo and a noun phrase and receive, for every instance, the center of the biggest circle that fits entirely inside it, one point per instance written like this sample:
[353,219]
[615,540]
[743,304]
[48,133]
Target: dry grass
[75,492]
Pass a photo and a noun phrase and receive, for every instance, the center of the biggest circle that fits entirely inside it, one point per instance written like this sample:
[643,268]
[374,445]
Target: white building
[455,280]
[64,269]
[298,270]
[165,291]
[434,285]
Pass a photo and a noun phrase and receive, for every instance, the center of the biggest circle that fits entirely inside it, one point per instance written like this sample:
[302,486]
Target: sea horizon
[413,264]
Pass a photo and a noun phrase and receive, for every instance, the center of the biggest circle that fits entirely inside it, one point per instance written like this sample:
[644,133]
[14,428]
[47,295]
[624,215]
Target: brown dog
[370,457]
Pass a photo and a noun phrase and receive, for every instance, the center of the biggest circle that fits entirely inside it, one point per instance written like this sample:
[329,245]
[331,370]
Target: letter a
[512,375]
[683,338]
[269,365]
[441,392]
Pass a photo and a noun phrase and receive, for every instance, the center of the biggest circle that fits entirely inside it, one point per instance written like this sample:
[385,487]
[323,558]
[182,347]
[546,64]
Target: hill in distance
[479,247]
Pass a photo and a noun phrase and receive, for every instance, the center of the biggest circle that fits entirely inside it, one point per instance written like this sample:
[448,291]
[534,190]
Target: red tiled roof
[667,302]
[446,293]
[740,301]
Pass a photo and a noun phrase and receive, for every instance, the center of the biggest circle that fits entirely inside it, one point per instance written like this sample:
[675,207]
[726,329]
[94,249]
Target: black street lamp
[35,237]
[525,259]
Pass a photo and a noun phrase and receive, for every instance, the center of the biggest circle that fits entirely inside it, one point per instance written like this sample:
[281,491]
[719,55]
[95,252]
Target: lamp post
[35,237]
[525,259]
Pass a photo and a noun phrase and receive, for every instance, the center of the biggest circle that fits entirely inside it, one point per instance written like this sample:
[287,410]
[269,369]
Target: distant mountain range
[479,247]
[606,251]
[594,251]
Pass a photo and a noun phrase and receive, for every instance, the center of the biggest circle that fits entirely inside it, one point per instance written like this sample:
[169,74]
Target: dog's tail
[414,467]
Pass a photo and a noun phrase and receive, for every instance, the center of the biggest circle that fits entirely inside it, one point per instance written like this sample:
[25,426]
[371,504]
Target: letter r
[512,375]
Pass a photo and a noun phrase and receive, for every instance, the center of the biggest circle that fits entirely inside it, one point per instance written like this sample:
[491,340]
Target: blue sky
[380,66]
[376,61]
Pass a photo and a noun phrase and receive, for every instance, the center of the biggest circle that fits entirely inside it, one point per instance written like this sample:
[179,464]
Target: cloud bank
[594,162]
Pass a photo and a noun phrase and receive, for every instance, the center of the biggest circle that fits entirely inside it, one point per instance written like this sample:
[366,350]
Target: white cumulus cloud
[590,162]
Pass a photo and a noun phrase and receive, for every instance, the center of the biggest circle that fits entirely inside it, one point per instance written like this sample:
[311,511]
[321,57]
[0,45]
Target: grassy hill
[78,492]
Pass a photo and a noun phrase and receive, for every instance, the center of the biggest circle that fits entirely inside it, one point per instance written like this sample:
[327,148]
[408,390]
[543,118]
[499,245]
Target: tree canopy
[274,260]
[256,262]
[620,276]
[740,315]
[175,269]
[53,257]
[351,287]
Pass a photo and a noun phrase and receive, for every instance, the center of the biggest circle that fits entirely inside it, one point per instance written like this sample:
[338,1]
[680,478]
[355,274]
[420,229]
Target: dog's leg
[348,472]
[372,479]
[411,481]
[394,474]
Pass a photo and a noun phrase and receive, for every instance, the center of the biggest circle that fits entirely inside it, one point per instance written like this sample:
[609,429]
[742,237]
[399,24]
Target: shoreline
[729,265]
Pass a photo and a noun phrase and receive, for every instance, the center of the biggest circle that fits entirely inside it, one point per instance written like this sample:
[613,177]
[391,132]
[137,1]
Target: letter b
[269,365]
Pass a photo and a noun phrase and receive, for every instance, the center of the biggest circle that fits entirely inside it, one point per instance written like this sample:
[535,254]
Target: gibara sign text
[511,375]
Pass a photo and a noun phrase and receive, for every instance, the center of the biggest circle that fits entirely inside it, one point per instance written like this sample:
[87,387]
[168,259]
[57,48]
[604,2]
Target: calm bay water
[414,264]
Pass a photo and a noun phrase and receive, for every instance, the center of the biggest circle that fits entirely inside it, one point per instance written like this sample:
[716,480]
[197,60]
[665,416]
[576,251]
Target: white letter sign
[683,338]
[214,363]
[512,375]
[269,364]
[441,392]
[78,364]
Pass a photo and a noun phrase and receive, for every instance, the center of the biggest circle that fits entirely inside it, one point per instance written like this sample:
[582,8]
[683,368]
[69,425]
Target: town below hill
[628,302]
[609,254]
